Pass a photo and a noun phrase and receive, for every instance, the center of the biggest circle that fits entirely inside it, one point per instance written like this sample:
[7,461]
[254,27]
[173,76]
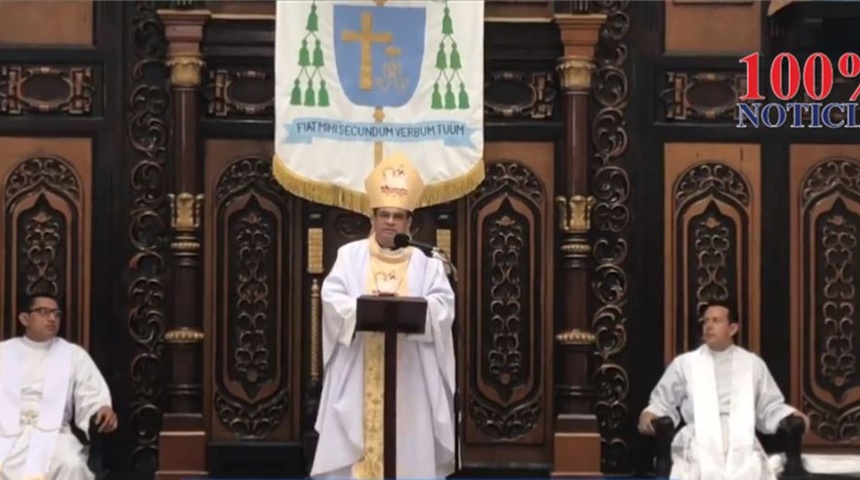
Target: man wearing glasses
[45,381]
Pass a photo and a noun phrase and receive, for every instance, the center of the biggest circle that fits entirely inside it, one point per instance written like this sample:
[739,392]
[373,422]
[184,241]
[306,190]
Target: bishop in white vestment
[46,381]
[725,393]
[350,418]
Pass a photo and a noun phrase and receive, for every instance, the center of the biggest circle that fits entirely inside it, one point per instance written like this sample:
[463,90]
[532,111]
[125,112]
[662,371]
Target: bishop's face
[42,320]
[388,222]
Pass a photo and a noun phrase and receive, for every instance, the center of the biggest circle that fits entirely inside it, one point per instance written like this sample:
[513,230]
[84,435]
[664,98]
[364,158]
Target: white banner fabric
[356,80]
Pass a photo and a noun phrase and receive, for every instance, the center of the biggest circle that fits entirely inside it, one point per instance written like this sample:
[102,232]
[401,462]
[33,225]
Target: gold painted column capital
[575,73]
[579,36]
[183,30]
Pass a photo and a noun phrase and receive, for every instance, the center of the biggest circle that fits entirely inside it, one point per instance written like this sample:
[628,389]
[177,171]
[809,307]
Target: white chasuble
[42,386]
[350,418]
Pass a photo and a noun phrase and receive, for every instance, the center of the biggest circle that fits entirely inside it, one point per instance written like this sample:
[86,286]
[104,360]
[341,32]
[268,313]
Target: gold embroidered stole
[387,273]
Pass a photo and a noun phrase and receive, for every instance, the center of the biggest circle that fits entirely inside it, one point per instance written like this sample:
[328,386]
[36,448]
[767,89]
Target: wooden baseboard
[577,448]
[181,454]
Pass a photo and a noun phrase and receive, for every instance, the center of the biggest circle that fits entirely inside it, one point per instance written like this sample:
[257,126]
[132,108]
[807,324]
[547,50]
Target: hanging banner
[356,80]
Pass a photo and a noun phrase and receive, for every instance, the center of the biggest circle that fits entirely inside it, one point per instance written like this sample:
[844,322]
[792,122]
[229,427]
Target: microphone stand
[451,271]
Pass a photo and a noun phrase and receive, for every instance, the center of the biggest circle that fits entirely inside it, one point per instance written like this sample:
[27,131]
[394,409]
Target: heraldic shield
[379,52]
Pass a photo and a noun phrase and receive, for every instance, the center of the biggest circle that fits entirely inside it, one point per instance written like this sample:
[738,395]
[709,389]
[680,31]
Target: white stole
[51,410]
[708,442]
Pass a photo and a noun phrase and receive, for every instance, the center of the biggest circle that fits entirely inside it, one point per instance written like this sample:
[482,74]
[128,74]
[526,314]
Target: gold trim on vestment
[337,196]
[388,263]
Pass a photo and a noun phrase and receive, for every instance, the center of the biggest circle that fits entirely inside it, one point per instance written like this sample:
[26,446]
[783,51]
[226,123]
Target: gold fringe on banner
[337,196]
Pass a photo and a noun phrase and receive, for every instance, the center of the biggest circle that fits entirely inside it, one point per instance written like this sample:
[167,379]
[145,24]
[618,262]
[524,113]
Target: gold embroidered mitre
[394,183]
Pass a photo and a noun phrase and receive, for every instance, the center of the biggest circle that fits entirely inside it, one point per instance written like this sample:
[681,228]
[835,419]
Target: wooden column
[577,446]
[182,443]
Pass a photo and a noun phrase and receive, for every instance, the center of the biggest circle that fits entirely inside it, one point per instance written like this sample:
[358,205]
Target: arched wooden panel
[252,300]
[46,242]
[825,222]
[506,349]
[712,219]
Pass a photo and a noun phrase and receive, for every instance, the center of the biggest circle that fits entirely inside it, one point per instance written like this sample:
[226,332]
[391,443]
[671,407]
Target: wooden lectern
[392,316]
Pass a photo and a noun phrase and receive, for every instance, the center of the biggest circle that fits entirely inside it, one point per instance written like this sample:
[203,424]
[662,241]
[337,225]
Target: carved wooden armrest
[664,429]
[96,442]
[791,430]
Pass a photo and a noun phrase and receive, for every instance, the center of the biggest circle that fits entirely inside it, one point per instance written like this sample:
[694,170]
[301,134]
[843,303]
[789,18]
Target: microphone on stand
[401,240]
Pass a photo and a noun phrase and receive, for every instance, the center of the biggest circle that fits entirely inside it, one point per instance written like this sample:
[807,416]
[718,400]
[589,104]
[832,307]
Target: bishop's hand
[106,419]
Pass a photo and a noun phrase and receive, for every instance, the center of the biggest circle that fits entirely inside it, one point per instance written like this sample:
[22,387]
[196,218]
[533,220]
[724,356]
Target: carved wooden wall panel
[147,125]
[62,173]
[506,349]
[712,27]
[712,205]
[708,96]
[825,268]
[47,23]
[252,296]
[46,223]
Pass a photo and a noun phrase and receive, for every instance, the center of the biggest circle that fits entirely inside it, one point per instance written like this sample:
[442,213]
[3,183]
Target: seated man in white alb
[44,382]
[724,393]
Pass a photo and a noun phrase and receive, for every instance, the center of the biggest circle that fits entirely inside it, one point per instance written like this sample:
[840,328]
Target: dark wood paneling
[521,95]
[612,280]
[712,221]
[47,224]
[252,303]
[781,175]
[62,205]
[825,221]
[146,293]
[506,356]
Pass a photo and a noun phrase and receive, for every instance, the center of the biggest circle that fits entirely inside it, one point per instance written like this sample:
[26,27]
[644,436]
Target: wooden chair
[95,441]
[787,439]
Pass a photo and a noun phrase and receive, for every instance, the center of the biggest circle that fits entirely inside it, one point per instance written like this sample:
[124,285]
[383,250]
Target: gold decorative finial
[185,211]
[575,213]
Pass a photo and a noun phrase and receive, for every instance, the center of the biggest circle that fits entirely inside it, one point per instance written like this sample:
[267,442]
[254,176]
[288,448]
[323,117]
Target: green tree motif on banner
[449,64]
[311,60]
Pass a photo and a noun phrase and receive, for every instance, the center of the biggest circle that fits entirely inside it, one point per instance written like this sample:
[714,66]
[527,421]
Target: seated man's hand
[798,413]
[106,419]
[646,427]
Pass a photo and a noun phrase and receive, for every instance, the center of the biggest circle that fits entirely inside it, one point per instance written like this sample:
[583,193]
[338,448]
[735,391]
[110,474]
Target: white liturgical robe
[425,372]
[723,397]
[42,387]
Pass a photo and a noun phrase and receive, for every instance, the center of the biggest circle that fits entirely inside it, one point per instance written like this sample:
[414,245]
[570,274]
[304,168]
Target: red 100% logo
[786,79]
